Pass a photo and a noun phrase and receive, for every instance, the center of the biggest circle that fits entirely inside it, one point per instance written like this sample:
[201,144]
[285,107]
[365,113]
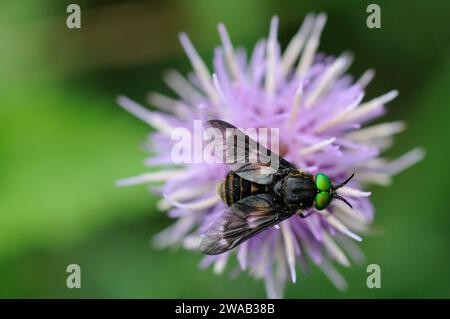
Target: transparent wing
[246,157]
[242,221]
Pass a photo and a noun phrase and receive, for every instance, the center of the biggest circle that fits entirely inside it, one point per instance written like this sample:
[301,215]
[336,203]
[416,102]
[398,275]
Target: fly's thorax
[298,190]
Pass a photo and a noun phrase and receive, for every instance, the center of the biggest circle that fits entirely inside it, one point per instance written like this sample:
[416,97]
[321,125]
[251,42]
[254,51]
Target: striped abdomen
[233,188]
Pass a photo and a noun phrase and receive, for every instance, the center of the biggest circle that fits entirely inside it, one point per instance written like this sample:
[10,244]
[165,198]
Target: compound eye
[322,200]
[323,182]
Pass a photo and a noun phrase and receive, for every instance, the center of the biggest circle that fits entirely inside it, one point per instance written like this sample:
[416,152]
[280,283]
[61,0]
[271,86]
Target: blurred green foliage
[64,142]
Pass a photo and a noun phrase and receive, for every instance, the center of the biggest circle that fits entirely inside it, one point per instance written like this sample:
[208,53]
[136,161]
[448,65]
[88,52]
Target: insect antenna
[343,183]
[334,195]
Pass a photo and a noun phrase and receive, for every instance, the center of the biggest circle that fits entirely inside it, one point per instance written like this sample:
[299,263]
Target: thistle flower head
[322,117]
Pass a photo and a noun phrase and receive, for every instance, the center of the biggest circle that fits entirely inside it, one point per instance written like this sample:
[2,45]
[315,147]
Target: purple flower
[321,114]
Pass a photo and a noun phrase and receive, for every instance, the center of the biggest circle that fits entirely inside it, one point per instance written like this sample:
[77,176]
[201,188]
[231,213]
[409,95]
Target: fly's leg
[303,215]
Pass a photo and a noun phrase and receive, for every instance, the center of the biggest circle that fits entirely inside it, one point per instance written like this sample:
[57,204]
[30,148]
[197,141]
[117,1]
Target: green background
[64,142]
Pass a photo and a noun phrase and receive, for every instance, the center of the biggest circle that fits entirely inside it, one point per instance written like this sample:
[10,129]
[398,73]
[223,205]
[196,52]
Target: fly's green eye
[322,200]
[323,182]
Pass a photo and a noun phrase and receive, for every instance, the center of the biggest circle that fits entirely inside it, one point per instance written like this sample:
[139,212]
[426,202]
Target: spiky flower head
[321,114]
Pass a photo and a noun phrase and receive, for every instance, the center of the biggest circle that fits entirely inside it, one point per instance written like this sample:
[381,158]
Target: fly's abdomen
[234,188]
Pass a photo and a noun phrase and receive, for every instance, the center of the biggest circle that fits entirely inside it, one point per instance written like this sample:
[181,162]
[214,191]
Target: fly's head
[326,192]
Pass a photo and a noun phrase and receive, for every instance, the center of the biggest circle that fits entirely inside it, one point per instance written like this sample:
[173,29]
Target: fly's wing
[242,221]
[246,157]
